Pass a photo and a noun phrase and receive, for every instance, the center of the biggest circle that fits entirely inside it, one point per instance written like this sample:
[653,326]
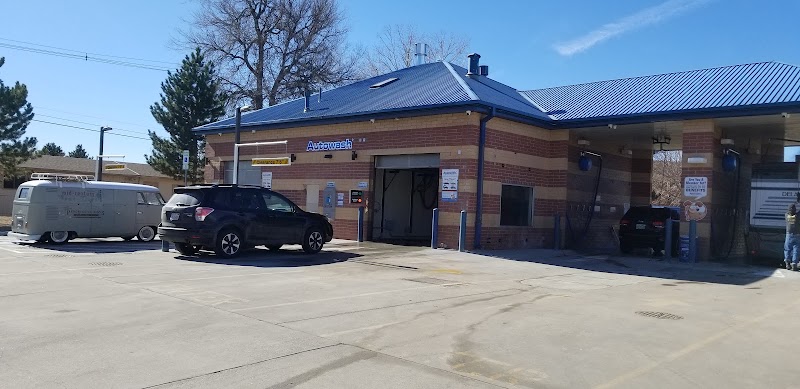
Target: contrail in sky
[640,19]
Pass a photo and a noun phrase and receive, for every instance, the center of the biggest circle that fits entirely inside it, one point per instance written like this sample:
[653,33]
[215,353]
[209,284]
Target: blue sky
[527,45]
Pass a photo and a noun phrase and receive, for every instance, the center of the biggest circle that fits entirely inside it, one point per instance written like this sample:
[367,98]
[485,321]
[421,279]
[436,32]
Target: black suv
[229,219]
[645,227]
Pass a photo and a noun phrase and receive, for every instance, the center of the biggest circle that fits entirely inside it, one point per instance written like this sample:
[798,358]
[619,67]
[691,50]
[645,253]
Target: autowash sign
[346,144]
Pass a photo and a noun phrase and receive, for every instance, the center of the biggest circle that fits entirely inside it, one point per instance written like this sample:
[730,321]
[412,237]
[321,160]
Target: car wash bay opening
[405,193]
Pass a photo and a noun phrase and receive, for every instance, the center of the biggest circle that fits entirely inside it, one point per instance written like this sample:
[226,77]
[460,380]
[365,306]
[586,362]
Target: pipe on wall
[481,158]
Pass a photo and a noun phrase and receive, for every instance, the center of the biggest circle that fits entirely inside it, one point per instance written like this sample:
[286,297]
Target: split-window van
[58,207]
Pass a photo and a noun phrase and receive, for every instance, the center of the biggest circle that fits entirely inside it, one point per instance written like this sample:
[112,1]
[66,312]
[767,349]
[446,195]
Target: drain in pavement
[659,315]
[431,280]
[59,256]
[106,264]
[384,264]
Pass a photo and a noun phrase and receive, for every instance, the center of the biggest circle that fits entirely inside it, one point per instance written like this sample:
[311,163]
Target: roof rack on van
[62,177]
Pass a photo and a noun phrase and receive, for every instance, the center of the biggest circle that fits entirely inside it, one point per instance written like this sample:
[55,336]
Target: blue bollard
[164,245]
[435,229]
[668,239]
[462,233]
[693,241]
[360,224]
[557,232]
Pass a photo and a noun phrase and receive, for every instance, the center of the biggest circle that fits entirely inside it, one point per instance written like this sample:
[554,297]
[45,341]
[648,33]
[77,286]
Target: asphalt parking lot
[114,314]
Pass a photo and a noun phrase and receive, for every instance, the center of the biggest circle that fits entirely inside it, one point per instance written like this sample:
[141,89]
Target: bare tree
[396,48]
[666,184]
[267,51]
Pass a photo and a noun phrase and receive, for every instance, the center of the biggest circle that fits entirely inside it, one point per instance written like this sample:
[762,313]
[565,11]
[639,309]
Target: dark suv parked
[229,219]
[645,227]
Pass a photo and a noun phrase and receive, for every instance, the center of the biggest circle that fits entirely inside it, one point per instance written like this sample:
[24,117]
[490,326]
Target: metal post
[98,171]
[668,239]
[693,241]
[164,245]
[360,224]
[185,179]
[236,145]
[435,229]
[557,232]
[462,232]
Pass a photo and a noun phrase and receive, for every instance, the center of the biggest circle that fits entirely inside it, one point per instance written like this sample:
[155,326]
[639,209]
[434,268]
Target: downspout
[481,158]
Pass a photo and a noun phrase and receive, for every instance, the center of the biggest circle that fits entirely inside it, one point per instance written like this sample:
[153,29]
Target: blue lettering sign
[346,144]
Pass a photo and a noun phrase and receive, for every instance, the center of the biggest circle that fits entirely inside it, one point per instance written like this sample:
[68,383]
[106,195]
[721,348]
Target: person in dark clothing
[790,247]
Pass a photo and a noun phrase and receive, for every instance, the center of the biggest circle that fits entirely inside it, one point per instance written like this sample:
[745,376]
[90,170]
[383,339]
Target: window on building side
[516,206]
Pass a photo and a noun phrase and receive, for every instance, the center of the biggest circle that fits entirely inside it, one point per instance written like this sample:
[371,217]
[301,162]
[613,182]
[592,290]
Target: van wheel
[186,249]
[146,234]
[229,243]
[59,237]
[313,240]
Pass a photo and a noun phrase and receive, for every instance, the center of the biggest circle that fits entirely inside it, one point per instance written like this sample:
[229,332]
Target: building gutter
[481,159]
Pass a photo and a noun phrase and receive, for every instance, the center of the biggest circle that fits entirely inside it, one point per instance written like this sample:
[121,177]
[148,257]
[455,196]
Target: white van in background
[58,207]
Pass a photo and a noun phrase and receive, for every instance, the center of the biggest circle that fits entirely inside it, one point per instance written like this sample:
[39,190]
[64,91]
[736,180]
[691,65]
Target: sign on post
[449,184]
[116,166]
[185,159]
[280,161]
[266,180]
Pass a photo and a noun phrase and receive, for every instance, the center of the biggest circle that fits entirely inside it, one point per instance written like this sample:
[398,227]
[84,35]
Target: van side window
[153,198]
[140,198]
[24,193]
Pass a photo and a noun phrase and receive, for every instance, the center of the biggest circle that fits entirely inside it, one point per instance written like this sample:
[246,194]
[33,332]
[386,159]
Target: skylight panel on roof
[383,83]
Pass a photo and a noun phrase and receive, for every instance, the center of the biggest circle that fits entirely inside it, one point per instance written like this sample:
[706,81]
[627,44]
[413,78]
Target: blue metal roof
[433,85]
[440,86]
[739,86]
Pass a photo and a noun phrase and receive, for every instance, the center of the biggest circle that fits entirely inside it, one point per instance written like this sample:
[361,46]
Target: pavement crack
[320,370]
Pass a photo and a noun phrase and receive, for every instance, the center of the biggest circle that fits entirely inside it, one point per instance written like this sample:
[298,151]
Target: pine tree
[15,115]
[79,152]
[51,149]
[190,97]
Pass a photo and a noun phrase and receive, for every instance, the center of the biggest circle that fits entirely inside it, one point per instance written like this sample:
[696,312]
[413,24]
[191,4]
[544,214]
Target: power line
[84,57]
[83,52]
[39,107]
[91,124]
[88,129]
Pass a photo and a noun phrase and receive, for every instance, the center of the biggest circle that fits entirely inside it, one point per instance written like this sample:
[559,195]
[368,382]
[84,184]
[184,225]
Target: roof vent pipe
[474,68]
[307,98]
[484,70]
[421,53]
[320,95]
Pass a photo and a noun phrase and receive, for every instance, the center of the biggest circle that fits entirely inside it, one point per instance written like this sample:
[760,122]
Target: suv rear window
[649,213]
[188,198]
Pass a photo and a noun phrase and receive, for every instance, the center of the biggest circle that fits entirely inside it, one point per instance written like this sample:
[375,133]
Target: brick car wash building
[530,168]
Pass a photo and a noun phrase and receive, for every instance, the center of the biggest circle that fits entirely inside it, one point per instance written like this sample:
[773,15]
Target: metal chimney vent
[484,70]
[474,60]
[421,53]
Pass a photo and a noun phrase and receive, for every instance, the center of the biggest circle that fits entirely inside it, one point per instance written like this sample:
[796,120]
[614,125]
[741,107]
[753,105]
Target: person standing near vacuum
[790,256]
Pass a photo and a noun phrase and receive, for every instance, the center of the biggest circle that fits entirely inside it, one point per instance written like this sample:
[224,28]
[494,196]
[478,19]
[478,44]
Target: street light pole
[237,129]
[98,171]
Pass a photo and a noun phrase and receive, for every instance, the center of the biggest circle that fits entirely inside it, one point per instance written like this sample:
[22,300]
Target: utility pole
[237,129]
[98,171]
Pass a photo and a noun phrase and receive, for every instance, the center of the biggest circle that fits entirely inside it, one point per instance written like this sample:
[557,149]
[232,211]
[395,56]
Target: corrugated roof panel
[730,86]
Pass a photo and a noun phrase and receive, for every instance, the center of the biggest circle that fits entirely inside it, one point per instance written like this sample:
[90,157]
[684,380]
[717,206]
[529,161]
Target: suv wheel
[313,240]
[186,249]
[229,243]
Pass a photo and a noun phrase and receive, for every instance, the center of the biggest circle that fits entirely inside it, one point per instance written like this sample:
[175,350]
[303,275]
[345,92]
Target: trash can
[684,248]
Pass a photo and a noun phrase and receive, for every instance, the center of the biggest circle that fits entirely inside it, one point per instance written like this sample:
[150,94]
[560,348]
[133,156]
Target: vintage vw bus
[58,207]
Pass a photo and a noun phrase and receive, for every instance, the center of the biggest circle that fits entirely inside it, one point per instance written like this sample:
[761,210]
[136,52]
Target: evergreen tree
[190,97]
[51,149]
[79,152]
[15,115]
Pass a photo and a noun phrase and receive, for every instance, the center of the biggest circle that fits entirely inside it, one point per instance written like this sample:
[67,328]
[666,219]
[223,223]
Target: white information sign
[185,159]
[695,187]
[449,184]
[266,180]
[363,185]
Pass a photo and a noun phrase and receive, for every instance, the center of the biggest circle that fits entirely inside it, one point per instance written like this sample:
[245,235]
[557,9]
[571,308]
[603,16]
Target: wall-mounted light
[785,115]
[353,155]
[469,113]
[328,156]
[730,161]
[726,142]
[612,126]
[583,142]
[625,151]
[293,157]
[372,121]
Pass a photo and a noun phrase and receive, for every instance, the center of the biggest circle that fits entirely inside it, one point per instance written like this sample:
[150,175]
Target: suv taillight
[658,224]
[200,213]
[625,222]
